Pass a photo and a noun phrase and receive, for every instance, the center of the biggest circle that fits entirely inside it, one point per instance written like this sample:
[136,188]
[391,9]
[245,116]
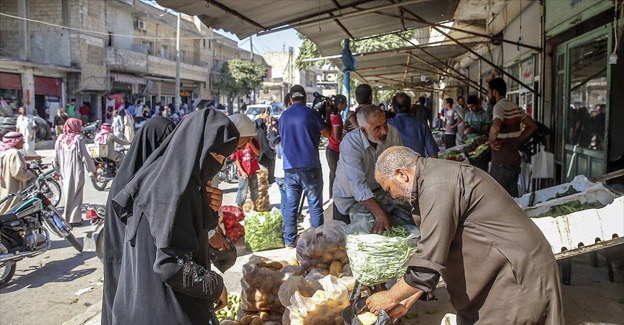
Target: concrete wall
[120,22]
[530,33]
[9,37]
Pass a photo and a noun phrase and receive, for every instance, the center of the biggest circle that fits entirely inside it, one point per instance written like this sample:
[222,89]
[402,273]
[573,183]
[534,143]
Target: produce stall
[476,151]
[576,218]
[317,286]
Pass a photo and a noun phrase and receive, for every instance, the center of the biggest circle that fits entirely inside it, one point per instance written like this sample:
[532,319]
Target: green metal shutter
[563,14]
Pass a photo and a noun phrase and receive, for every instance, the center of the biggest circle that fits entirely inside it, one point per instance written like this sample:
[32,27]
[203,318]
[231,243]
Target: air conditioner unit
[139,24]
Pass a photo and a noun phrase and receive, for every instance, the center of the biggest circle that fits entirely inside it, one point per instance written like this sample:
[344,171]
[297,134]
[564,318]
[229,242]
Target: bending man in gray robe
[497,265]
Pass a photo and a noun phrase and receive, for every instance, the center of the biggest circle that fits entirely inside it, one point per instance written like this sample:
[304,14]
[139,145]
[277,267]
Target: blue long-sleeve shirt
[415,134]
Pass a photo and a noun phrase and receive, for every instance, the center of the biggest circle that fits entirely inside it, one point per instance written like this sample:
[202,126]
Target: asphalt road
[44,288]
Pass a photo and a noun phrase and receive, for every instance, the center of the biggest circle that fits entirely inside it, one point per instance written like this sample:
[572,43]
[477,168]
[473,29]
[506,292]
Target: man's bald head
[395,171]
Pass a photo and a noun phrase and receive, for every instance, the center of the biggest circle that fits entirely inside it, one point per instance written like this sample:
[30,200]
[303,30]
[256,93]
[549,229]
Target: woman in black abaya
[165,275]
[147,139]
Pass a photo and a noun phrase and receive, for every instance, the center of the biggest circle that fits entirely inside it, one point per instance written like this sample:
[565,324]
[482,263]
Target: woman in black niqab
[147,139]
[165,275]
[267,154]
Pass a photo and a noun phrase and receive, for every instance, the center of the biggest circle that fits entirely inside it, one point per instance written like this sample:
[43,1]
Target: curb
[89,317]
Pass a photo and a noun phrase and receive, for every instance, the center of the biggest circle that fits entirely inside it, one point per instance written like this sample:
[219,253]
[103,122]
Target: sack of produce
[263,230]
[323,248]
[323,306]
[232,216]
[260,285]
[263,202]
[376,258]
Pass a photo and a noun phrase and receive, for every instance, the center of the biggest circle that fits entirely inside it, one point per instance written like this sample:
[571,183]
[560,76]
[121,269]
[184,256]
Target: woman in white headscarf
[69,161]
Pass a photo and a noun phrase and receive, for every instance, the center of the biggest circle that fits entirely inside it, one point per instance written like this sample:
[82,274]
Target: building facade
[104,52]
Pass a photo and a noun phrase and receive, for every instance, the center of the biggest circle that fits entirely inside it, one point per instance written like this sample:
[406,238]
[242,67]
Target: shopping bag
[543,164]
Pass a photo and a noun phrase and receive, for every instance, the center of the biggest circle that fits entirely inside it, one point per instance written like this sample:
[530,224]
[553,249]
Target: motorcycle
[90,130]
[50,187]
[24,229]
[94,238]
[106,171]
[228,172]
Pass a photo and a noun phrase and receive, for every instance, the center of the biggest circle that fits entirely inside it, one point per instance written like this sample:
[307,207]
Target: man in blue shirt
[300,128]
[414,132]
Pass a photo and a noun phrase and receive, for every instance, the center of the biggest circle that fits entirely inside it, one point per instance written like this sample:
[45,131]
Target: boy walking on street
[247,163]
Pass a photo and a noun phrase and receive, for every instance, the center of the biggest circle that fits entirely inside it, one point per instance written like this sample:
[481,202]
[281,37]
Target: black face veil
[169,189]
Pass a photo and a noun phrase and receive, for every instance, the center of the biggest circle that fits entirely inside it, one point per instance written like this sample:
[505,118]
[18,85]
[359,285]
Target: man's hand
[243,174]
[379,301]
[381,224]
[496,144]
[215,196]
[222,299]
[403,307]
[56,177]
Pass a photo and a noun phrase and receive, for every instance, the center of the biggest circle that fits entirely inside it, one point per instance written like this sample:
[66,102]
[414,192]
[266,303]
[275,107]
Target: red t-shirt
[334,145]
[247,158]
[84,110]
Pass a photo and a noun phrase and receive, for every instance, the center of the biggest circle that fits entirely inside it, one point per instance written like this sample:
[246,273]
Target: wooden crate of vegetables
[323,249]
[260,285]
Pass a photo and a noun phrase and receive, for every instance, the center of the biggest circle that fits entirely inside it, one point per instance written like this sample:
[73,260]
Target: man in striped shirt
[506,134]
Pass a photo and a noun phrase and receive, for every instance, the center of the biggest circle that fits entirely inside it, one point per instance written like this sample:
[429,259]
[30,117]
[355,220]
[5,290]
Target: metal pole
[177,76]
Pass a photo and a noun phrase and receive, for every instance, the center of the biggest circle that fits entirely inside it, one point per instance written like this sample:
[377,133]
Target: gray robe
[497,265]
[70,164]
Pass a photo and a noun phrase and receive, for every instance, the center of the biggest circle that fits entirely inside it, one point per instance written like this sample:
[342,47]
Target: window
[214,52]
[182,56]
[149,45]
[164,51]
[216,65]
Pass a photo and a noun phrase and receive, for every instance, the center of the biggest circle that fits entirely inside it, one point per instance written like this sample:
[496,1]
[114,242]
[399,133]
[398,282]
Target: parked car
[253,111]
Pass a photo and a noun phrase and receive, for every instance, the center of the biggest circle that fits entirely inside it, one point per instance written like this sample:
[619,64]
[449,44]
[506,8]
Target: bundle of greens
[263,230]
[376,258]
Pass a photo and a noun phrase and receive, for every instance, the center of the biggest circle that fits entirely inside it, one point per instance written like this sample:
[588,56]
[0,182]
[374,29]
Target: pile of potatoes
[263,203]
[246,320]
[323,252]
[260,284]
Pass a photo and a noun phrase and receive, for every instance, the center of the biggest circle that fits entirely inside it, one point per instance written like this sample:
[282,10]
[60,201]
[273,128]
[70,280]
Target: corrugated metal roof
[328,22]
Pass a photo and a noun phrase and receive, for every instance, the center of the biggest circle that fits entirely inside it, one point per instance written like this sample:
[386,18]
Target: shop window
[164,52]
[588,94]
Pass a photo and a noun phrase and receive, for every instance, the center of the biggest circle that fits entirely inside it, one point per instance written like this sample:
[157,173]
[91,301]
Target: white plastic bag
[543,164]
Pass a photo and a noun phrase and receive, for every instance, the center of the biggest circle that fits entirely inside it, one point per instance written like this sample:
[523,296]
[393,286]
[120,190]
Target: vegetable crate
[584,227]
[580,184]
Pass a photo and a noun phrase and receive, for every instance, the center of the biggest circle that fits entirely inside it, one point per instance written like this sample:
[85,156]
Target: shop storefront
[582,87]
[10,93]
[47,91]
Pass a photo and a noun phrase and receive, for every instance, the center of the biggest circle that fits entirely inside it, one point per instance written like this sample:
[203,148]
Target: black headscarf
[266,152]
[146,140]
[174,200]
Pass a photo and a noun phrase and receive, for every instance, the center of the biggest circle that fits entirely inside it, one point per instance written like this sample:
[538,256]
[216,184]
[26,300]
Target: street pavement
[44,289]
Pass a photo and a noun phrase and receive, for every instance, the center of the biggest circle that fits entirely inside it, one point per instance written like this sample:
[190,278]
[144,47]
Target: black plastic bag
[224,259]
[354,309]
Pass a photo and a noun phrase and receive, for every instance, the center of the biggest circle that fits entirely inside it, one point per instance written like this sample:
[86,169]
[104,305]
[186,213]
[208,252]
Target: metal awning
[327,22]
[128,79]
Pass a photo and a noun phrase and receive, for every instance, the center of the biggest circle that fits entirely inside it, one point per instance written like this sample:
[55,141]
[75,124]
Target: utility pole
[177,76]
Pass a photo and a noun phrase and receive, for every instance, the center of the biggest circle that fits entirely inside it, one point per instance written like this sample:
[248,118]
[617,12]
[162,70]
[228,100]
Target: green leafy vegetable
[377,259]
[569,208]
